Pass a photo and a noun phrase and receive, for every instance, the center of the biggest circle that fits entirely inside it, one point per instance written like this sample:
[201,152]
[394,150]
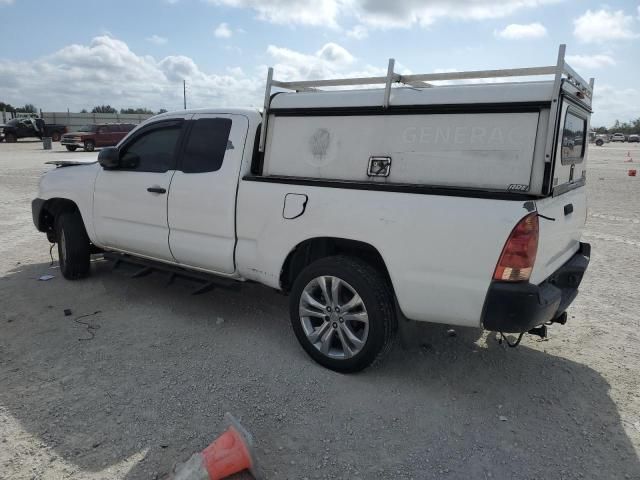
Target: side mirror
[109,158]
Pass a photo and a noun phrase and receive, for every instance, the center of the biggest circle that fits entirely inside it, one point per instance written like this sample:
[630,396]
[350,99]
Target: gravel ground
[151,388]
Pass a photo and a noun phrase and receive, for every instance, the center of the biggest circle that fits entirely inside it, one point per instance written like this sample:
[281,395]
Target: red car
[91,136]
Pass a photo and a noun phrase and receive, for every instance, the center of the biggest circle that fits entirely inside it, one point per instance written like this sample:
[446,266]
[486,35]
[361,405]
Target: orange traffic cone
[230,453]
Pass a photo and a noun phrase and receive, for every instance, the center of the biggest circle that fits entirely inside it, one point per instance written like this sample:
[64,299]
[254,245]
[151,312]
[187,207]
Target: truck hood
[69,163]
[77,134]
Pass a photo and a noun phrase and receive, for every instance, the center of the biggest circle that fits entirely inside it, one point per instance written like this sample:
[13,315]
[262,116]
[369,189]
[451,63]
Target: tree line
[30,108]
[627,128]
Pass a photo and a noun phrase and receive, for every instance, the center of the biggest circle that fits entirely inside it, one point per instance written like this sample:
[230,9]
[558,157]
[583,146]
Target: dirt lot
[152,386]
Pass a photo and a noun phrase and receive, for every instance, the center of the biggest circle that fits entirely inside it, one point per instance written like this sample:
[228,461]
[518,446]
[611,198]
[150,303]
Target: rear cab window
[206,146]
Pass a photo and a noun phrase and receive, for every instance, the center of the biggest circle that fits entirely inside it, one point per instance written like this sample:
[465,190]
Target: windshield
[86,128]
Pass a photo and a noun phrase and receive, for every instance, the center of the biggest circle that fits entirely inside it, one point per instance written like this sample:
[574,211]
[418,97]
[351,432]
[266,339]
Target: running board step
[207,282]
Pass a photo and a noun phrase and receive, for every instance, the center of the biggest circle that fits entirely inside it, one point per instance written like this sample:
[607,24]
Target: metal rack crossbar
[560,70]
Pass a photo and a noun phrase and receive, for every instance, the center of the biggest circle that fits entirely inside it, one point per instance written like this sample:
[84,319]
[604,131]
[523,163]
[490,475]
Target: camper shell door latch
[379,167]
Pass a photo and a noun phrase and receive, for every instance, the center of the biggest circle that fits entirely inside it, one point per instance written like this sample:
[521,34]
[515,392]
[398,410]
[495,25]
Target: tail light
[519,253]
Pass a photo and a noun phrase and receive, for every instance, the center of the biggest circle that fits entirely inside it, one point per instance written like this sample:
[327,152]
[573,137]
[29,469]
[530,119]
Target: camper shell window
[573,138]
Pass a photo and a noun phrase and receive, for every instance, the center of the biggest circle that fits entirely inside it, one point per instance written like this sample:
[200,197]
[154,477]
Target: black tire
[73,246]
[377,297]
[89,146]
[599,143]
[55,137]
[10,138]
[71,148]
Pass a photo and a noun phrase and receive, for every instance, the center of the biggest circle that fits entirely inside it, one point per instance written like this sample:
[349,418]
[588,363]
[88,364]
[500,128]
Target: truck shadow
[152,384]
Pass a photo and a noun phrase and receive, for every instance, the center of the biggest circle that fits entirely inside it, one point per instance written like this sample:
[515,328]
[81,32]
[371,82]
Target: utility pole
[184,93]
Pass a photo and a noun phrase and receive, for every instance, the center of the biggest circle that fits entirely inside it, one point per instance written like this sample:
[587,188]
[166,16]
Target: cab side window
[153,150]
[206,145]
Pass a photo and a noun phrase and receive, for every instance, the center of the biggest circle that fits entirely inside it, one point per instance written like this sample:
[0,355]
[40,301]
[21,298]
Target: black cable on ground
[90,328]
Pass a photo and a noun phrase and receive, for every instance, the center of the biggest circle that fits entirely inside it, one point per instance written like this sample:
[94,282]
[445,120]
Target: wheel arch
[51,209]
[312,249]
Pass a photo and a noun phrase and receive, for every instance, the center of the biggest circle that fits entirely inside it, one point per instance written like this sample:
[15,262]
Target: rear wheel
[599,143]
[342,313]
[73,246]
[55,136]
[89,146]
[71,148]
[10,138]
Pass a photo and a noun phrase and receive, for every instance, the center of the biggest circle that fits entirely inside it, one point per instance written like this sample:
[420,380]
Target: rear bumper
[519,307]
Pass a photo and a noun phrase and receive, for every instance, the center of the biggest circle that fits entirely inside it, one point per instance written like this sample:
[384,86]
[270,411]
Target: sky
[136,53]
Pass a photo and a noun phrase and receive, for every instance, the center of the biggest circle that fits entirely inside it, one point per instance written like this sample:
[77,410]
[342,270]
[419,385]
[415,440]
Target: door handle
[156,190]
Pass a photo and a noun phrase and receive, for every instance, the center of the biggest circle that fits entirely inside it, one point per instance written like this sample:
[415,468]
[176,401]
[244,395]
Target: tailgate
[559,238]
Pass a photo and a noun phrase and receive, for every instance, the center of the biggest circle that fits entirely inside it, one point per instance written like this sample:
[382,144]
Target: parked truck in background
[90,137]
[459,204]
[18,128]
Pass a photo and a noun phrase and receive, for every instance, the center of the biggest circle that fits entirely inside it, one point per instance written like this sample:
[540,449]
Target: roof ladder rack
[560,70]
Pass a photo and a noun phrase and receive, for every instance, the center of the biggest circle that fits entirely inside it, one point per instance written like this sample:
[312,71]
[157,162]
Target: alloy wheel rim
[334,317]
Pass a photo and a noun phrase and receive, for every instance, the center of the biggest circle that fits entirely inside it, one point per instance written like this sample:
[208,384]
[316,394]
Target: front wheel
[10,138]
[599,143]
[89,146]
[73,246]
[342,313]
[71,148]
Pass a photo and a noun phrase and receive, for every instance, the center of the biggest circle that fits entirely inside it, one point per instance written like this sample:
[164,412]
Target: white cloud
[223,31]
[358,32]
[604,25]
[107,72]
[517,31]
[379,13]
[327,62]
[303,12]
[405,13]
[157,39]
[612,103]
[590,61]
[236,71]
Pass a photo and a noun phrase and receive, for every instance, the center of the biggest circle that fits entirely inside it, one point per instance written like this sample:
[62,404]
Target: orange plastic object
[229,453]
[632,173]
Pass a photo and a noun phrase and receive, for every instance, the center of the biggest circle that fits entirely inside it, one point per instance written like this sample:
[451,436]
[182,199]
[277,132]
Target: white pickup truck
[460,204]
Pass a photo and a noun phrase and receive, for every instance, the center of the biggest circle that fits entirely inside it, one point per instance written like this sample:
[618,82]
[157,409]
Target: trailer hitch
[540,331]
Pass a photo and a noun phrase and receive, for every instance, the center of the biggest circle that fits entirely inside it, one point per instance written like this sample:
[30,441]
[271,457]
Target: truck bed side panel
[440,251]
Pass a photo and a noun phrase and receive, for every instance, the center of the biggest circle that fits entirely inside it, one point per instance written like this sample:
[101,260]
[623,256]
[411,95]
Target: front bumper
[72,143]
[519,307]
